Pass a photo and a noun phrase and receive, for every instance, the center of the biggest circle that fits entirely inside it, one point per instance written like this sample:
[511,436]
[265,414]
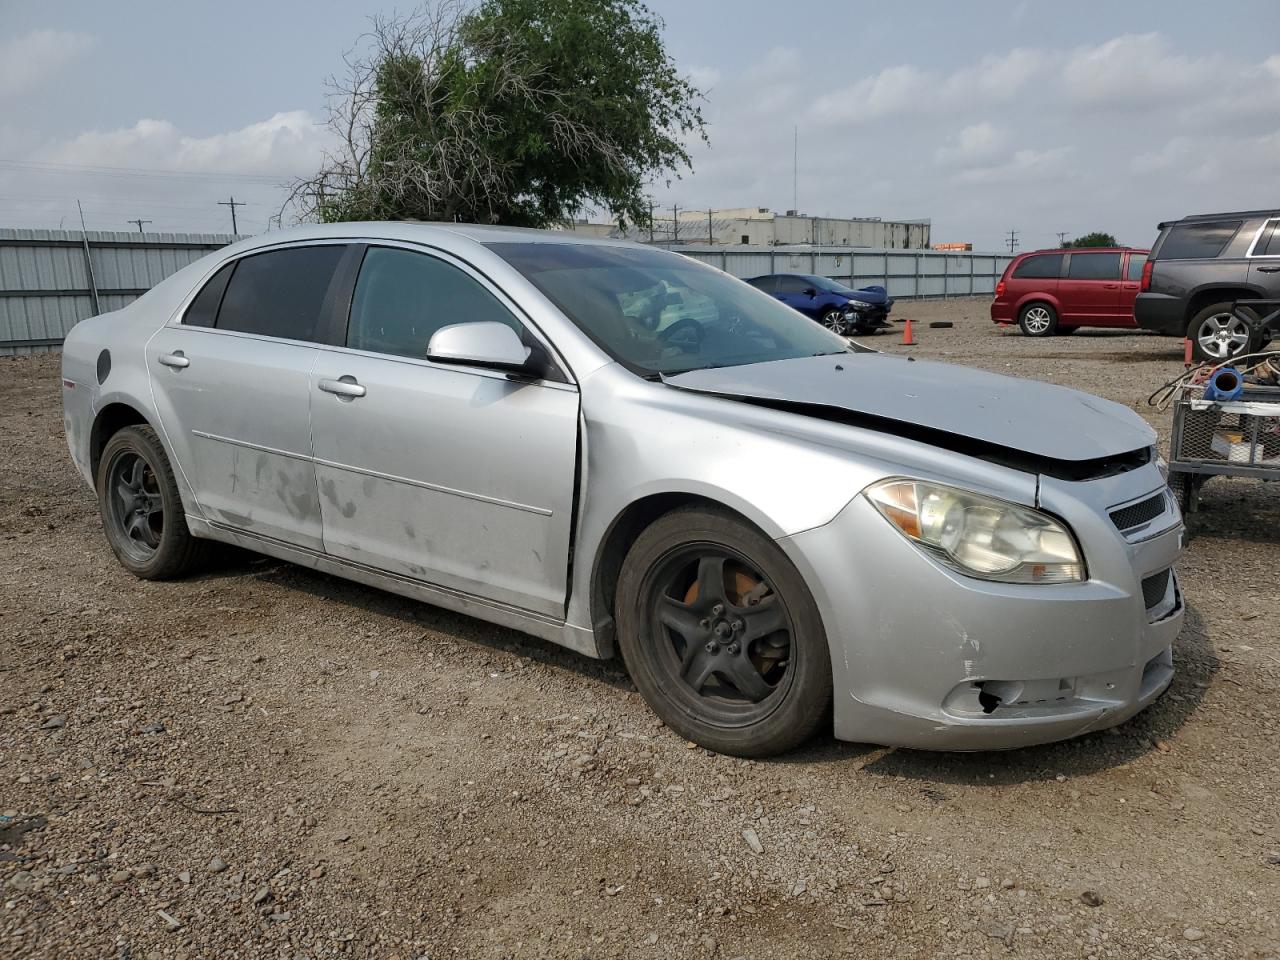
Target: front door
[232,388]
[458,477]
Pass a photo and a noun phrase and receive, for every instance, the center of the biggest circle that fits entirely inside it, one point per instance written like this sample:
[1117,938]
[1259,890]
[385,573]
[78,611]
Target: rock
[56,722]
[121,876]
[217,865]
[1193,934]
[1091,898]
[144,871]
[753,840]
[155,726]
[981,883]
[262,896]
[185,876]
[999,931]
[171,923]
[1007,884]
[21,881]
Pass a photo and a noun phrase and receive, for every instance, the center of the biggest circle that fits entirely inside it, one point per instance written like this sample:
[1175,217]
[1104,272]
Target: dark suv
[1199,267]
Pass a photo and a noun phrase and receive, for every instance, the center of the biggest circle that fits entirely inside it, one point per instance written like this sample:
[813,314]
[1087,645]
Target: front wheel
[721,635]
[833,319]
[1038,320]
[142,513]
[1218,334]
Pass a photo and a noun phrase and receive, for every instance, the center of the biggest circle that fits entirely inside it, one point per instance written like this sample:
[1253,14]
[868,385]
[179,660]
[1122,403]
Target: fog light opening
[987,700]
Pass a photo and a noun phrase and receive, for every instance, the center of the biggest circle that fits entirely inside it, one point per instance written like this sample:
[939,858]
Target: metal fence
[904,273]
[52,279]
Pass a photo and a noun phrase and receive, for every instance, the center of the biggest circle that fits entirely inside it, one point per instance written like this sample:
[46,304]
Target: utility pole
[711,236]
[139,222]
[675,224]
[795,169]
[232,203]
[1062,238]
[1013,240]
[651,221]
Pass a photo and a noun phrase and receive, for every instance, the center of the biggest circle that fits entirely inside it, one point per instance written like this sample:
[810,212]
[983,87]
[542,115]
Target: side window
[1044,267]
[203,311]
[402,298]
[1269,242]
[1094,266]
[791,284]
[767,284]
[1198,241]
[1136,262]
[280,293]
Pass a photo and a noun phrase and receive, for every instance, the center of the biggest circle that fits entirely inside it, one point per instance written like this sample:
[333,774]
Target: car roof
[1032,253]
[411,230]
[1229,215]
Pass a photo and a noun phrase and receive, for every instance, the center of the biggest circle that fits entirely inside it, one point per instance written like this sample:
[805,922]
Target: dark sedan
[839,308]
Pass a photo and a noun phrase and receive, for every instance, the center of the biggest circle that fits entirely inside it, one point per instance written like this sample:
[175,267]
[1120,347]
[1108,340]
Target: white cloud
[1136,69]
[286,144]
[973,144]
[1026,166]
[29,60]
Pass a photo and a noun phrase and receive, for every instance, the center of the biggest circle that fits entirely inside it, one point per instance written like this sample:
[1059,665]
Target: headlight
[859,304]
[980,536]
[1161,463]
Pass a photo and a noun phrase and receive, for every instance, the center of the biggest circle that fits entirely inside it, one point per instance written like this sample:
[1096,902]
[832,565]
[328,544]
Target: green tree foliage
[518,112]
[1095,239]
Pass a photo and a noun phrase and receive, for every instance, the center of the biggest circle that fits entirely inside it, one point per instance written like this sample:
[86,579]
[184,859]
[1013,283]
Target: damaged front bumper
[925,657]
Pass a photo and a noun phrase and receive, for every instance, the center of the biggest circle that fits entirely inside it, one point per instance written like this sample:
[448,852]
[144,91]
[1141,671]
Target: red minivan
[1054,291]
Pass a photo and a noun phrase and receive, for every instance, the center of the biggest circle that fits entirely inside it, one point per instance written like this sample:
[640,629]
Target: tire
[1217,336]
[1038,320]
[743,669]
[141,511]
[833,319]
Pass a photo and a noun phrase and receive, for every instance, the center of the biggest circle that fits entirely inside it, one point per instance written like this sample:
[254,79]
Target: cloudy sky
[984,117]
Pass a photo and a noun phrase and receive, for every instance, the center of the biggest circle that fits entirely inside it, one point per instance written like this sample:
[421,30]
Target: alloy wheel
[1222,336]
[1037,320]
[135,505]
[835,321]
[724,636]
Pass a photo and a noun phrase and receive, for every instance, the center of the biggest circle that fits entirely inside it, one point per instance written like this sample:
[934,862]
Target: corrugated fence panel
[45,287]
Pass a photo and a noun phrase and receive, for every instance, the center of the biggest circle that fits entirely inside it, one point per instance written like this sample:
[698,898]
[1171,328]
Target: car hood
[872,295]
[935,400]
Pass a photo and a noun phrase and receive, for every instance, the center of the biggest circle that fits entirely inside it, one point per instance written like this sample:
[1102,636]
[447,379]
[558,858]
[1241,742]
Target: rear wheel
[1038,320]
[142,513]
[721,635]
[1218,334]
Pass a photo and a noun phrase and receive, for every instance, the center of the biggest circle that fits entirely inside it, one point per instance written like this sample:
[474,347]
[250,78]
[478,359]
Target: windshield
[661,313]
[831,286]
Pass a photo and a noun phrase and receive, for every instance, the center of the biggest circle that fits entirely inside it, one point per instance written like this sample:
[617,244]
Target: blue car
[840,309]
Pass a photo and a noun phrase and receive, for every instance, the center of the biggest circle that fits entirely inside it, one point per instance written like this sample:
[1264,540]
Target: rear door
[231,382]
[459,477]
[1090,289]
[1264,262]
[1135,260]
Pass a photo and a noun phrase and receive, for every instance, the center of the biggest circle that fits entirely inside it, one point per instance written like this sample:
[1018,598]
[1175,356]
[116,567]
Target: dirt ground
[269,762]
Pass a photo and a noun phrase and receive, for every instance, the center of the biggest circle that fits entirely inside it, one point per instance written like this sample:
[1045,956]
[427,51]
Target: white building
[761,227]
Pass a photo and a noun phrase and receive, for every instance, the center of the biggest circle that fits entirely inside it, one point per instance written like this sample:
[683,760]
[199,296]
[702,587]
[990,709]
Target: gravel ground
[269,762]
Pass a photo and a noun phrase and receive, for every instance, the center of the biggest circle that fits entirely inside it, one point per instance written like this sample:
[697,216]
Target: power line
[45,166]
[139,222]
[232,203]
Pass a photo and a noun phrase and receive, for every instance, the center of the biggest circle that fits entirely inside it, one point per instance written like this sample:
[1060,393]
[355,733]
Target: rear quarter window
[203,311]
[1198,241]
[1040,267]
[1136,263]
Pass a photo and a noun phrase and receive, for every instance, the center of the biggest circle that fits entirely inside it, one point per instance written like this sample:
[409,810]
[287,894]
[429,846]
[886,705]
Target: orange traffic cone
[907,339]
[1186,351]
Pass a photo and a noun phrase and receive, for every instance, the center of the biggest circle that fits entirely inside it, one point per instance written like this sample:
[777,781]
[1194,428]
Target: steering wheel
[686,333]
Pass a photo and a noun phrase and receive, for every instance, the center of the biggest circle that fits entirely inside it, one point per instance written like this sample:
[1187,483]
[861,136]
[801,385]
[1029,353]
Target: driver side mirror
[487,344]
[810,292]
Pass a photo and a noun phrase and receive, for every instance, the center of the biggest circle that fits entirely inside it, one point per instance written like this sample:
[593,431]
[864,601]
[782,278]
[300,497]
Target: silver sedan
[624,451]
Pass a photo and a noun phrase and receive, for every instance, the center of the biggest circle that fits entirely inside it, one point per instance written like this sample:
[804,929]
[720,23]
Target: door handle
[177,360]
[344,387]
[1112,286]
[1269,269]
